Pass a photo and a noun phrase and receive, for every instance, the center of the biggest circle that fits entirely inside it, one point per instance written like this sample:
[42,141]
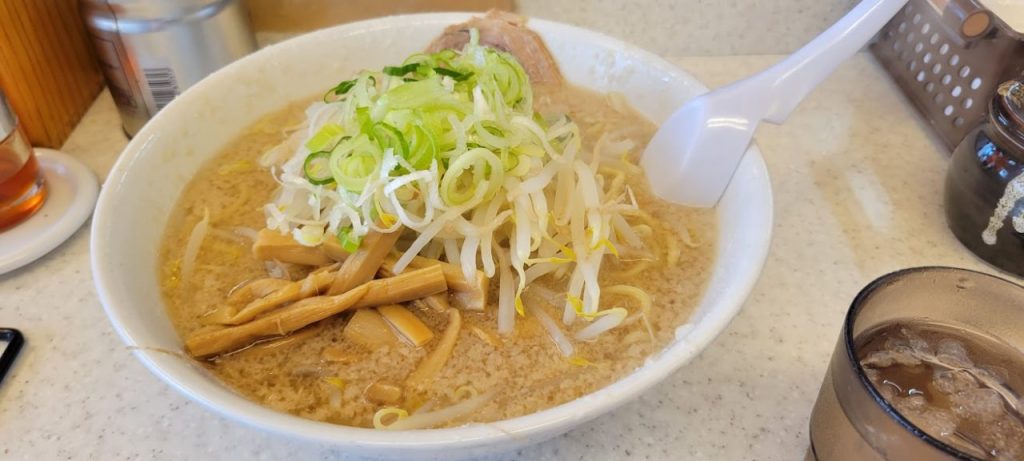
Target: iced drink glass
[929,366]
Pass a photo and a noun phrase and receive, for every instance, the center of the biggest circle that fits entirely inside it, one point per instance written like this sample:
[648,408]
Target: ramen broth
[317,374]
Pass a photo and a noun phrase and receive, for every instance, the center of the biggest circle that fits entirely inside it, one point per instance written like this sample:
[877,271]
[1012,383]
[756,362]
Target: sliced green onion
[356,170]
[388,136]
[325,138]
[365,122]
[418,58]
[341,89]
[540,120]
[422,147]
[348,241]
[445,55]
[503,78]
[521,167]
[454,74]
[423,95]
[354,162]
[529,150]
[401,70]
[509,160]
[493,136]
[317,168]
[469,171]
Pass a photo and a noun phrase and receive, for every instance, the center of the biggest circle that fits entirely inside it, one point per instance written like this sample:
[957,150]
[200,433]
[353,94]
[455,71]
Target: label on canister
[162,84]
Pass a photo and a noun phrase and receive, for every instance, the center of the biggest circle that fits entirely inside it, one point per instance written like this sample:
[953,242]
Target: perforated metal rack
[949,56]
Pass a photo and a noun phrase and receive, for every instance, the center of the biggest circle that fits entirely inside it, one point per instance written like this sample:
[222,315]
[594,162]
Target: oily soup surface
[525,369]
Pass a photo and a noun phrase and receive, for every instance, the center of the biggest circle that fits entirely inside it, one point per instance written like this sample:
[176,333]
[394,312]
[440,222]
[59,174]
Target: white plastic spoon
[694,154]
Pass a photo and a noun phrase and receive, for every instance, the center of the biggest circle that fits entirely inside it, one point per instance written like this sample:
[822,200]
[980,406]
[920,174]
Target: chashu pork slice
[507,32]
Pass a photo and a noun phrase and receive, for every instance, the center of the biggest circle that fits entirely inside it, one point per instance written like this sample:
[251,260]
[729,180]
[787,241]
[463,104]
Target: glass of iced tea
[929,365]
[22,190]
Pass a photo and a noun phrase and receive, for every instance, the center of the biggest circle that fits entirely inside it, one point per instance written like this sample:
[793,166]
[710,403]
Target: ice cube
[1003,439]
[939,423]
[917,343]
[952,381]
[892,343]
[901,355]
[993,374]
[915,402]
[984,405]
[952,353]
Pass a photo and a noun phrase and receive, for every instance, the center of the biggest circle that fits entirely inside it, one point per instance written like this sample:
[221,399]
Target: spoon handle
[788,82]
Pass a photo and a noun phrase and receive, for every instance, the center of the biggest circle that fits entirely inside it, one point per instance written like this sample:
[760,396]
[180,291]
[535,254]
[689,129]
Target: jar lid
[8,122]
[1011,98]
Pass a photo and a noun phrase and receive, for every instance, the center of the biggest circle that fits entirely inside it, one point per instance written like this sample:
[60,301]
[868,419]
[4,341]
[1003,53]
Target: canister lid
[1011,99]
[8,122]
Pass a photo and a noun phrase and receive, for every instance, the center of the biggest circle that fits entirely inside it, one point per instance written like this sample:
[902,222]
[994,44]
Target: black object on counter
[14,341]
[985,184]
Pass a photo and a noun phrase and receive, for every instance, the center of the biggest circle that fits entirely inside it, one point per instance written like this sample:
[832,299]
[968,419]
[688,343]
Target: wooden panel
[47,69]
[303,15]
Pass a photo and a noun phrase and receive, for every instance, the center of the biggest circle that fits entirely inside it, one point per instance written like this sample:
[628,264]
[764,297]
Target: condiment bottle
[985,183]
[22,190]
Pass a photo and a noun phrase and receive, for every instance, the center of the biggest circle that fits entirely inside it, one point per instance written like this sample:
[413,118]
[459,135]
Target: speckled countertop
[857,181]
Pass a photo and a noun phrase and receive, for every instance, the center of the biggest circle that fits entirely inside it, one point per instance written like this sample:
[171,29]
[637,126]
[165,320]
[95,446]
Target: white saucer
[72,190]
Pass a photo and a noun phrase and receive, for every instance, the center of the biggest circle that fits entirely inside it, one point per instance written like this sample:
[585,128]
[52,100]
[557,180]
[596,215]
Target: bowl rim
[550,421]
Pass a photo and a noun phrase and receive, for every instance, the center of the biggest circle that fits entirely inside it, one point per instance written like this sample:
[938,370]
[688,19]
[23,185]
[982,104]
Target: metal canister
[152,50]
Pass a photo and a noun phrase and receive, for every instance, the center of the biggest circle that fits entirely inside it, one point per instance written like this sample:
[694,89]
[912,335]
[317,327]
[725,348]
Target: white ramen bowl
[155,167]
